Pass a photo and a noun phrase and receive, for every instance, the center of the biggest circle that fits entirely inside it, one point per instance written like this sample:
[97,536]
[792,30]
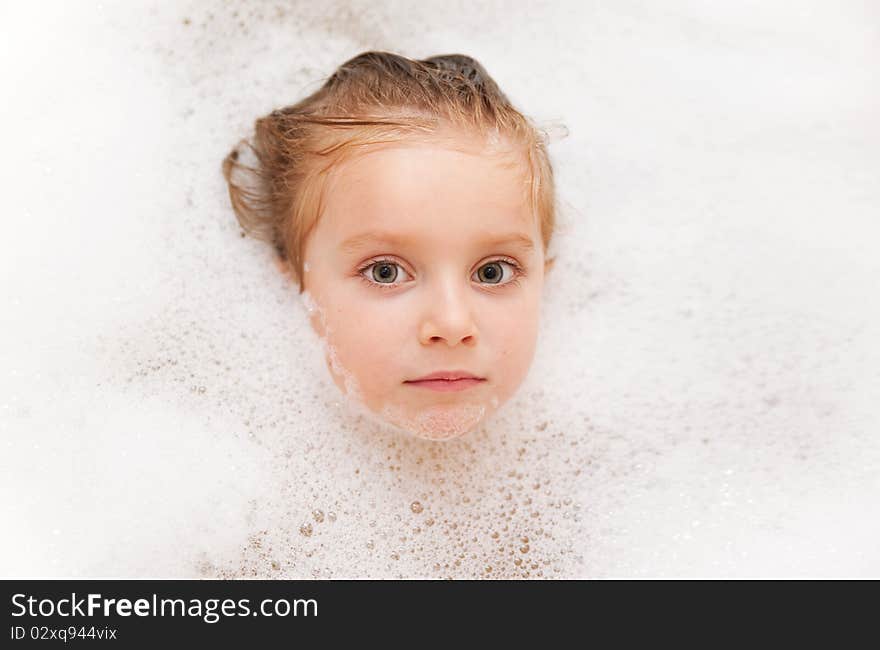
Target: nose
[448,317]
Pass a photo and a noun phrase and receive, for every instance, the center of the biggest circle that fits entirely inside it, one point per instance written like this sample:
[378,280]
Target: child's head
[414,206]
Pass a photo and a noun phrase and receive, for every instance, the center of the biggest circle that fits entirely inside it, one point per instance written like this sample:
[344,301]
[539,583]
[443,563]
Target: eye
[383,272]
[494,272]
[386,273]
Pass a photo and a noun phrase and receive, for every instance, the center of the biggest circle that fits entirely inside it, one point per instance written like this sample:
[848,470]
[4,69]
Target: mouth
[447,381]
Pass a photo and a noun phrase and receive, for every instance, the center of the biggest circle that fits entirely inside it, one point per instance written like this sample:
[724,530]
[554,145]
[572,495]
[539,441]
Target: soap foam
[438,422]
[703,397]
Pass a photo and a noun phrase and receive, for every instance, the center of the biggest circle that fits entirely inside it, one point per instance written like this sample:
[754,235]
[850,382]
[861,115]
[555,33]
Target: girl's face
[426,259]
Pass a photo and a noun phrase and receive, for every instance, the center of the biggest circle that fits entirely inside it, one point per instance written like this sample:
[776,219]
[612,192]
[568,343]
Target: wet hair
[371,99]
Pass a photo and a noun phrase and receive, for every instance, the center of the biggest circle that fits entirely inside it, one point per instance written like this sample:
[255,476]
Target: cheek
[519,343]
[365,342]
[515,340]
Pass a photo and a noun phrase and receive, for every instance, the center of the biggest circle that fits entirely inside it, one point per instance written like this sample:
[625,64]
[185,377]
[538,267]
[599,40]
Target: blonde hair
[374,98]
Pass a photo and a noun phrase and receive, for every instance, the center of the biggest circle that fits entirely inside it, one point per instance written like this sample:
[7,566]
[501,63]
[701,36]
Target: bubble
[554,131]
[305,530]
[309,303]
[416,507]
[439,422]
[351,388]
[493,137]
[318,515]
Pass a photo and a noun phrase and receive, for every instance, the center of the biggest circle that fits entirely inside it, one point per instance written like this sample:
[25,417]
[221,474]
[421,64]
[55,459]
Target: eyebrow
[358,242]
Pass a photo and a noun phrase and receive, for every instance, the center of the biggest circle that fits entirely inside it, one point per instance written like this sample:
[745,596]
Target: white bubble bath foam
[704,396]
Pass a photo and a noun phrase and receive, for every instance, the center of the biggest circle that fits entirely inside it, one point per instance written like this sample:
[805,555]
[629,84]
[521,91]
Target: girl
[414,206]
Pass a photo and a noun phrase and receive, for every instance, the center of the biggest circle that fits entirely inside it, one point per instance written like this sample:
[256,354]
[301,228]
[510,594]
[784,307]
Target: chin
[438,422]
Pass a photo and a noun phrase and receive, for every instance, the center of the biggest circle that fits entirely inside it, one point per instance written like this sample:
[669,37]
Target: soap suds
[703,397]
[438,422]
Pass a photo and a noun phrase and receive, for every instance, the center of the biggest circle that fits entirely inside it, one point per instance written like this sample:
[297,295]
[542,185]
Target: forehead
[428,188]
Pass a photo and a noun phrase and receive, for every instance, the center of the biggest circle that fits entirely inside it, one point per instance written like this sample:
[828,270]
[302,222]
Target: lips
[447,381]
[448,375]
